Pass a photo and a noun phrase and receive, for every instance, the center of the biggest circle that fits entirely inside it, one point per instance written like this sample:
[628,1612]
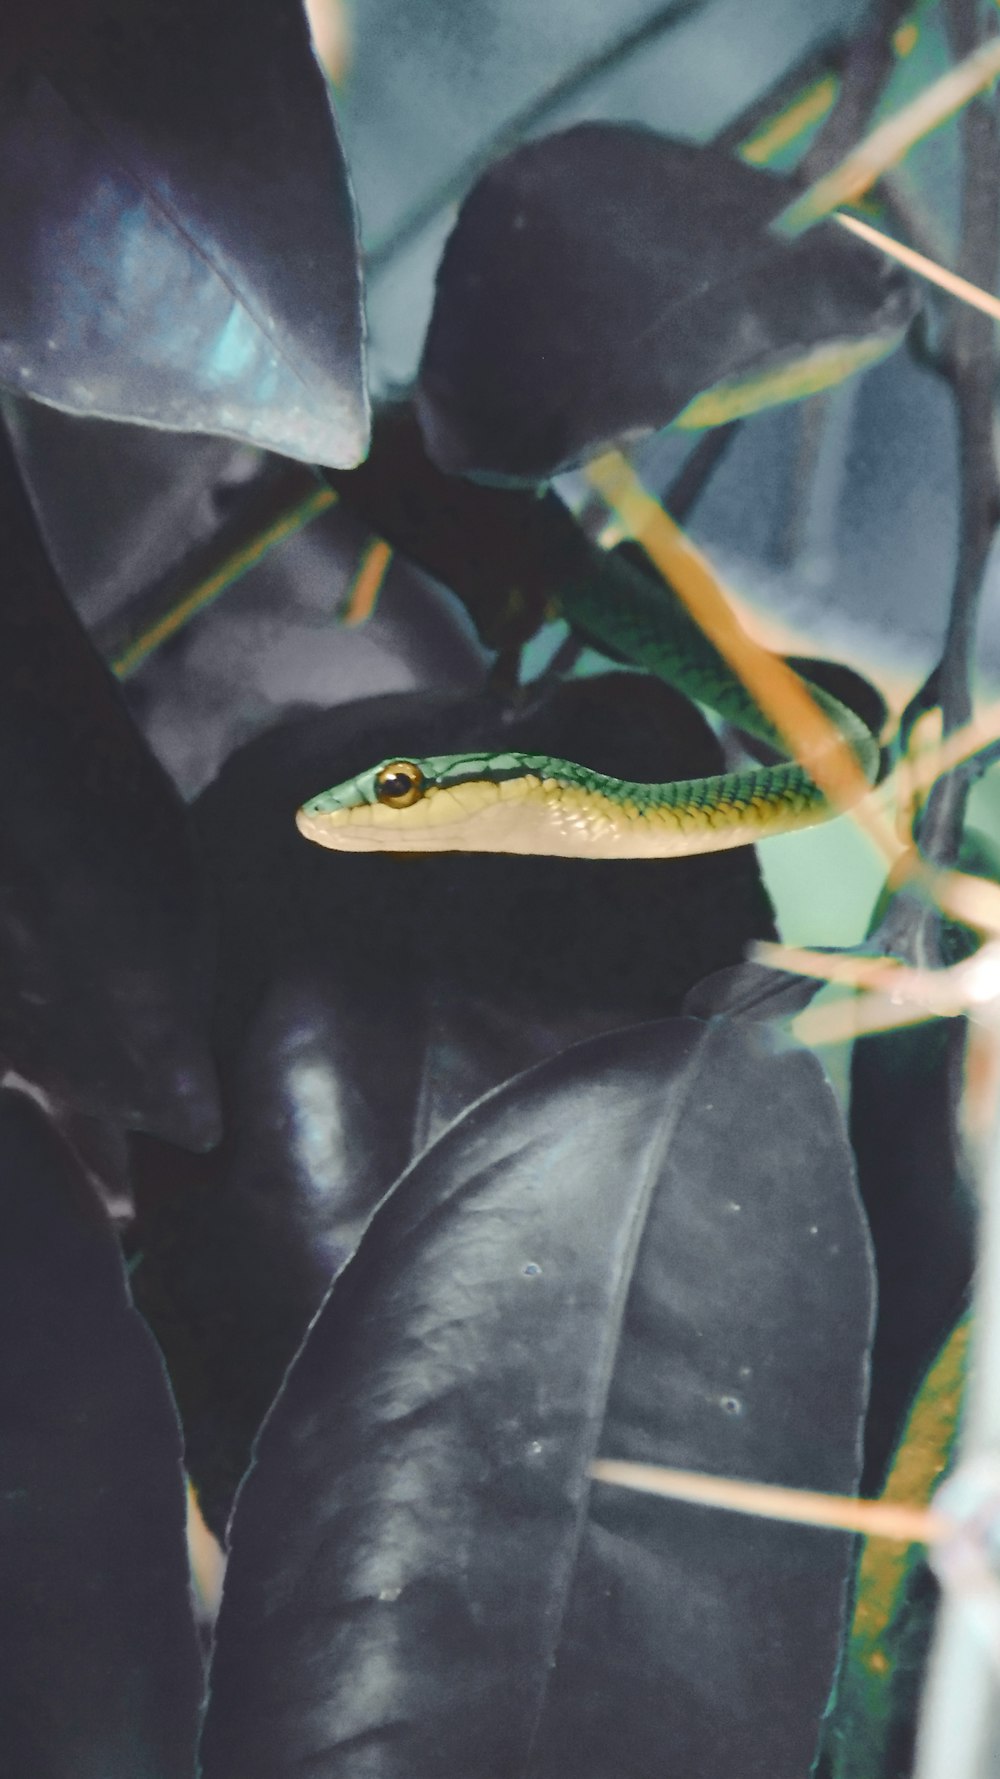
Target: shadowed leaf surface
[100,1675]
[614,1253]
[504,551]
[102,956]
[177,225]
[366,1002]
[914,1177]
[598,280]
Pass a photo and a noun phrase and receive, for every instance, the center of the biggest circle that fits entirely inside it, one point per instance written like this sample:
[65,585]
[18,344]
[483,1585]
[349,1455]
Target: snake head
[449,803]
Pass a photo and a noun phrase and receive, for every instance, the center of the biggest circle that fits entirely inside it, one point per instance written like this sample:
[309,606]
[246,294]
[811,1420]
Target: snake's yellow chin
[366,828]
[477,816]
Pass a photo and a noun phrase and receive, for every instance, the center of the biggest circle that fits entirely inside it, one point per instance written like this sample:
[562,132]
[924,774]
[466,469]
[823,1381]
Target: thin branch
[906,209]
[690,483]
[939,275]
[810,734]
[683,494]
[890,141]
[801,1507]
[450,190]
[786,92]
[959,1710]
[372,569]
[867,68]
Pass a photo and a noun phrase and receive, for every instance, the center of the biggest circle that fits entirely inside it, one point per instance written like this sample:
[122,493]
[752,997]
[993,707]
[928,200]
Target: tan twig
[808,731]
[803,1507]
[367,584]
[924,267]
[236,565]
[891,140]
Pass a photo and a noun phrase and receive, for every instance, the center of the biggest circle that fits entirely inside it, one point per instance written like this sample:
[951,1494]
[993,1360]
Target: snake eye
[399,784]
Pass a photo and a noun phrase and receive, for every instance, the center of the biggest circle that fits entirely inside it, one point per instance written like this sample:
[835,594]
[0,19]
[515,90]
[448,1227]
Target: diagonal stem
[866,70]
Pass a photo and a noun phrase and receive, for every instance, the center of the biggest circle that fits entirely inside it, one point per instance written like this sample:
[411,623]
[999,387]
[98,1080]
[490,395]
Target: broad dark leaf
[648,1248]
[176,222]
[599,280]
[365,1003]
[102,957]
[100,1675]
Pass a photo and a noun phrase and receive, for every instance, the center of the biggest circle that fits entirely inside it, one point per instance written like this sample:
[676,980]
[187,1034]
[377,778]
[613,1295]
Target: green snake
[536,804]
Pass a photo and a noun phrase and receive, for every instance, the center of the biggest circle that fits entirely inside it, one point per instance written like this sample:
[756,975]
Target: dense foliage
[373,1198]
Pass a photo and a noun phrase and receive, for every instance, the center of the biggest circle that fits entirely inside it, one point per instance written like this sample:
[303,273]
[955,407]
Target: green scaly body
[532,803]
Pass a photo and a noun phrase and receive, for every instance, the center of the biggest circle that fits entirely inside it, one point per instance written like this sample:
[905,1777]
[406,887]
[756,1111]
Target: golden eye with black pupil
[399,784]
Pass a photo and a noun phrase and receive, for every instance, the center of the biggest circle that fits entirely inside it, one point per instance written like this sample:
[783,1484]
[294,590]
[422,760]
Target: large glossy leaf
[176,224]
[100,1674]
[102,953]
[648,1247]
[599,280]
[365,1003]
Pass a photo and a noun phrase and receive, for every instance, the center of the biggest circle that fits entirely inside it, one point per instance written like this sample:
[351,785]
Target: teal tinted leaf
[176,223]
[613,1254]
[605,282]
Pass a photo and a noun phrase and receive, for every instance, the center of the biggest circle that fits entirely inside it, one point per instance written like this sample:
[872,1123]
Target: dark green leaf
[100,1675]
[599,280]
[176,224]
[103,963]
[647,1248]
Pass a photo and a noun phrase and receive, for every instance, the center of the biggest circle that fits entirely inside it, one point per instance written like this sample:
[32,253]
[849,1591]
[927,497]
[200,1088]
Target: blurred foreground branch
[959,1718]
[912,929]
